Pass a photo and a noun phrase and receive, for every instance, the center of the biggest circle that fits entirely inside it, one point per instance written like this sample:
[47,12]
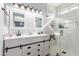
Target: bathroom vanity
[27,45]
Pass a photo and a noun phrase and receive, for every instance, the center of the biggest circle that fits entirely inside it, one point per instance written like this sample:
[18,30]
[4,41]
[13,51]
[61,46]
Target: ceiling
[51,8]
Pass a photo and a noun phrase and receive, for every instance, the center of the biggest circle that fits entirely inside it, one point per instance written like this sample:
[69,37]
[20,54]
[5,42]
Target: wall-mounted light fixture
[28,8]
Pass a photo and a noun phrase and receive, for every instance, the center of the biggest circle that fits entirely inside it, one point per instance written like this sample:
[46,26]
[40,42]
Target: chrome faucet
[19,33]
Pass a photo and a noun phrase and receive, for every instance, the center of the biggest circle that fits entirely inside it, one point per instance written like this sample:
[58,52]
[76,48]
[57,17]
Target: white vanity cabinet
[27,46]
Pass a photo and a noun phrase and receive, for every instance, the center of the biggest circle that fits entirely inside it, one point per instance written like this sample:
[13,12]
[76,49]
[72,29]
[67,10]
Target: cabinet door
[46,48]
[13,52]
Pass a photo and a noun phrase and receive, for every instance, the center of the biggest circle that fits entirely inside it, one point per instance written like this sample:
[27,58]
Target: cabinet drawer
[29,50]
[12,43]
[40,52]
[24,41]
[46,44]
[46,48]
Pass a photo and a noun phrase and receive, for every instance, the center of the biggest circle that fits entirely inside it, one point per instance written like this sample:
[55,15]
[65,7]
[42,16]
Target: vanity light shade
[16,5]
[40,12]
[22,7]
[28,8]
[25,7]
[33,10]
[37,11]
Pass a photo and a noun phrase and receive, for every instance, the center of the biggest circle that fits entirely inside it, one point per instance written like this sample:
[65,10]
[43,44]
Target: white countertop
[25,36]
[28,36]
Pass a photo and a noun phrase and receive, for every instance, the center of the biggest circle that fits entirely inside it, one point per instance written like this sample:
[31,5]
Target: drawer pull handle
[38,50]
[49,46]
[47,55]
[28,53]
[38,44]
[28,47]
[6,49]
[38,55]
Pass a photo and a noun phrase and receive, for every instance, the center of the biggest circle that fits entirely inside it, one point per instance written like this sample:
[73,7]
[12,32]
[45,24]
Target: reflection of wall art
[18,19]
[38,22]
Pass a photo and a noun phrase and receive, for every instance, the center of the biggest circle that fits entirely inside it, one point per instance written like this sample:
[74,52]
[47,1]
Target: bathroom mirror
[38,22]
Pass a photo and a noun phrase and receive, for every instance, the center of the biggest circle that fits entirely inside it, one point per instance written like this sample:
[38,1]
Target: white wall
[1,28]
[70,38]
